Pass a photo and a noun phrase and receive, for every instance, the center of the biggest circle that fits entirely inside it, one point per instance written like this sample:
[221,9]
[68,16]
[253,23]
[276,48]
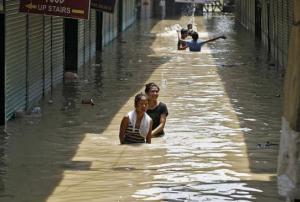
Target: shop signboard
[195,1]
[103,5]
[65,8]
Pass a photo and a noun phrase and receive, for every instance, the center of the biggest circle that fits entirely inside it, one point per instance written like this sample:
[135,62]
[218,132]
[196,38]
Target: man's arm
[178,34]
[216,38]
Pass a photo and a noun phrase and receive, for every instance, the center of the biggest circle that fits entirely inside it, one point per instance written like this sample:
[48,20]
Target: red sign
[65,8]
[104,5]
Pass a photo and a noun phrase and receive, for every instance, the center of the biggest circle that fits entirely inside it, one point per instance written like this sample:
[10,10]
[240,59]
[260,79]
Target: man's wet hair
[189,25]
[149,86]
[195,36]
[184,31]
[138,98]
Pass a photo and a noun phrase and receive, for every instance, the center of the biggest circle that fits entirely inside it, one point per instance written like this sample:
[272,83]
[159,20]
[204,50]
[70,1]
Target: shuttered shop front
[57,50]
[15,58]
[35,59]
[87,43]
[80,43]
[47,54]
[128,13]
[93,32]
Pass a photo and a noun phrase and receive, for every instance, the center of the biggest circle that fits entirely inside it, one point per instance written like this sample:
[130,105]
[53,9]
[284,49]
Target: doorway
[120,17]
[71,45]
[99,35]
[258,19]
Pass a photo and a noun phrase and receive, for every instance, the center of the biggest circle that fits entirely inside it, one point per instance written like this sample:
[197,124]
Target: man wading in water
[195,44]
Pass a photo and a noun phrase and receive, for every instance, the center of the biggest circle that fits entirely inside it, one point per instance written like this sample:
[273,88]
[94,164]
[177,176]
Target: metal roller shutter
[47,54]
[87,40]
[57,50]
[105,30]
[291,14]
[111,26]
[285,31]
[279,32]
[273,9]
[35,58]
[115,25]
[115,21]
[80,43]
[15,58]
[265,23]
[93,32]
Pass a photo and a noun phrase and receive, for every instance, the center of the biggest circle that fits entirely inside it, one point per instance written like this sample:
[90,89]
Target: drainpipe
[288,170]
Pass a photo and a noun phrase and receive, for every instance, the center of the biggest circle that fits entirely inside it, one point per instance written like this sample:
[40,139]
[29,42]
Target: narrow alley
[222,131]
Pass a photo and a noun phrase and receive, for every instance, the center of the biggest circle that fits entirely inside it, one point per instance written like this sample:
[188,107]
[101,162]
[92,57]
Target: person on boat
[157,110]
[136,126]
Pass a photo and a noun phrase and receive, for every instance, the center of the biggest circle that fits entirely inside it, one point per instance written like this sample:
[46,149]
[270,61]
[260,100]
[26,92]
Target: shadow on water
[254,87]
[39,148]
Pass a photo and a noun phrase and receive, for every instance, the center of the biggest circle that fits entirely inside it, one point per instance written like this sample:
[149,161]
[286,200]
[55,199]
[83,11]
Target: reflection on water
[223,103]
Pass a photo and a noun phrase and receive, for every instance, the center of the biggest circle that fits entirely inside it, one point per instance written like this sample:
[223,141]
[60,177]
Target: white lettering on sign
[41,7]
[59,9]
[55,1]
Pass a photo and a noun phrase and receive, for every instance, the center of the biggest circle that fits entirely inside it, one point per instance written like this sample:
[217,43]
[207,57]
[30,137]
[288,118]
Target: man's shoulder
[161,104]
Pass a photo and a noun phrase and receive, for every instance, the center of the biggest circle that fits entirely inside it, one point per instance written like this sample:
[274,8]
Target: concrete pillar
[289,152]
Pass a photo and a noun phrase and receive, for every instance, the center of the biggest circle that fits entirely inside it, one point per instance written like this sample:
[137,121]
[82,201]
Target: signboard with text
[65,8]
[104,5]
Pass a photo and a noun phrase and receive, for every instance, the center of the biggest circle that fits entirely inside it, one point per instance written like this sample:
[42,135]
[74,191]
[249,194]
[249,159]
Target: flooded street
[222,132]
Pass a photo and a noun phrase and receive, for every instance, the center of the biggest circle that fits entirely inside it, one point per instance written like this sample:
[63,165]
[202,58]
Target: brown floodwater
[222,131]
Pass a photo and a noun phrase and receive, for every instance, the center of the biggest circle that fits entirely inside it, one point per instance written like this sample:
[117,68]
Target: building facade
[36,50]
[277,24]
[271,22]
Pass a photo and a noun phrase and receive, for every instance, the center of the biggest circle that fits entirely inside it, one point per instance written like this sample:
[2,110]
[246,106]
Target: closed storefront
[80,43]
[87,42]
[57,50]
[36,50]
[15,58]
[276,21]
[112,23]
[35,58]
[93,32]
[47,57]
[129,13]
[110,27]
